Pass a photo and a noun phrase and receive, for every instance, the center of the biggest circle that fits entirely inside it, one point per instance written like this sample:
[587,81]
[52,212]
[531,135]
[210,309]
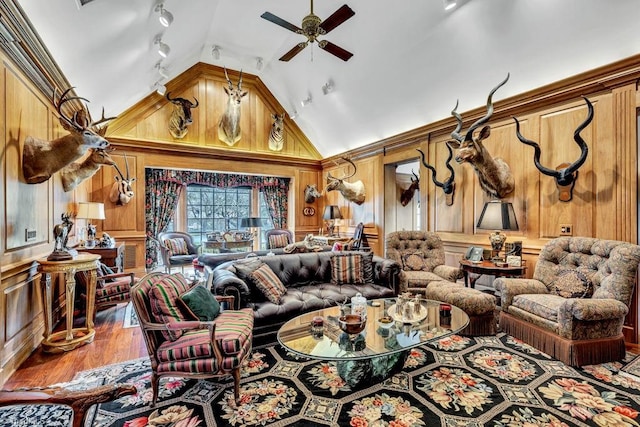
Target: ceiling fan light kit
[312,28]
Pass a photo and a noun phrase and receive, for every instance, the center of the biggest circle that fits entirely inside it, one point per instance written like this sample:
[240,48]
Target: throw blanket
[304,246]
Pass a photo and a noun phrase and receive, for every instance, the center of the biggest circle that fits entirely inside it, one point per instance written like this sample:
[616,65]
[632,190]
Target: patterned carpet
[486,381]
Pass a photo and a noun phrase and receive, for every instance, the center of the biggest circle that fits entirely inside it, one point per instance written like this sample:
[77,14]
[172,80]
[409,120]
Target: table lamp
[497,215]
[89,211]
[332,213]
[251,223]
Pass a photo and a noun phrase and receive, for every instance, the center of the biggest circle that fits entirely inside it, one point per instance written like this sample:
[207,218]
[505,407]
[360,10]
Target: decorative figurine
[61,237]
[106,241]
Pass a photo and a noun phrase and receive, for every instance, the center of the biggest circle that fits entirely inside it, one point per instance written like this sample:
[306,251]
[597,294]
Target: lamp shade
[498,215]
[332,212]
[251,222]
[90,210]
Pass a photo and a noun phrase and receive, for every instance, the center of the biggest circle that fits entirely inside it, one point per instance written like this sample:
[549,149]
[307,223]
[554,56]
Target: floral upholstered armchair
[574,307]
[421,255]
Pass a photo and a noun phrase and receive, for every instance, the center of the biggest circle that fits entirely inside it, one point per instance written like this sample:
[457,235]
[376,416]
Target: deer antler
[63,99]
[355,168]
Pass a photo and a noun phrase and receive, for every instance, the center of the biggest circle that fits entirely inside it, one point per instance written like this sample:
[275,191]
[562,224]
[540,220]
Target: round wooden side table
[489,268]
[71,337]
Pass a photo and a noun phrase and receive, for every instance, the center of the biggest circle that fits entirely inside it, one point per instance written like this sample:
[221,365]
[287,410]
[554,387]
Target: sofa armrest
[592,309]
[448,272]
[225,282]
[387,273]
[509,288]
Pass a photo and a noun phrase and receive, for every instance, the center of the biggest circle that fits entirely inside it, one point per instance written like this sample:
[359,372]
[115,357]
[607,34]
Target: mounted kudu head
[566,173]
[407,194]
[448,186]
[311,193]
[229,125]
[181,115]
[352,191]
[122,190]
[493,174]
[41,159]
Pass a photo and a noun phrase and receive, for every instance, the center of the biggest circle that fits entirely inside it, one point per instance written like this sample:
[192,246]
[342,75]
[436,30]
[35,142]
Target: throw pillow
[269,283]
[200,303]
[163,300]
[176,246]
[278,241]
[347,268]
[367,267]
[413,261]
[244,267]
[572,284]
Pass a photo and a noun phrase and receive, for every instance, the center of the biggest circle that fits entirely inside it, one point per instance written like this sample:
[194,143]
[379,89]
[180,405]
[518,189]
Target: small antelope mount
[77,172]
[41,159]
[311,193]
[229,125]
[448,186]
[276,136]
[122,190]
[181,116]
[566,173]
[493,173]
[407,194]
[352,191]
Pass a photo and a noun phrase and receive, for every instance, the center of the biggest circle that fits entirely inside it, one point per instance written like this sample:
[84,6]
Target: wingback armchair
[278,238]
[421,255]
[574,306]
[177,249]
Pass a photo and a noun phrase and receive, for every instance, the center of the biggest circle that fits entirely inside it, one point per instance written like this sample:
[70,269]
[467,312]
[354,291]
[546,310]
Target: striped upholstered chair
[185,336]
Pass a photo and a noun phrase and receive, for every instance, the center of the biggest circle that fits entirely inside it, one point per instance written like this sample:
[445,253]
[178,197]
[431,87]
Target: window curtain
[163,188]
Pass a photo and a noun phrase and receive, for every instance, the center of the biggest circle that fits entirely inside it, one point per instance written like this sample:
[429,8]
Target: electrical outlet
[566,229]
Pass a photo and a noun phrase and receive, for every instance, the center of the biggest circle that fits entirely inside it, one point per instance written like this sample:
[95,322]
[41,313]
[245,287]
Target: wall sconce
[163,48]
[449,4]
[215,52]
[259,64]
[497,215]
[328,87]
[306,102]
[166,17]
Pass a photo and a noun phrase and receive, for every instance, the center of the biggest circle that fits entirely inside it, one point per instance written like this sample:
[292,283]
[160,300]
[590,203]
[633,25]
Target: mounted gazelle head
[566,173]
[122,190]
[352,191]
[311,193]
[448,186]
[493,174]
[41,159]
[181,116]
[229,126]
[407,194]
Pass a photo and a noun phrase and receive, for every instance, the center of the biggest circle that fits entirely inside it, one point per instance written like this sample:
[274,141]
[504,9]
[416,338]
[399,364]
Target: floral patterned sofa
[421,255]
[574,306]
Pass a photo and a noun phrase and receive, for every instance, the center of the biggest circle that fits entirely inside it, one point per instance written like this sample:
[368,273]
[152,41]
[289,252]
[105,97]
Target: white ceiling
[411,61]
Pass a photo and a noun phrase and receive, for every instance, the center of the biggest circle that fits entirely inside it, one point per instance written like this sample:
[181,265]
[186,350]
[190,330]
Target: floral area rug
[484,381]
[130,317]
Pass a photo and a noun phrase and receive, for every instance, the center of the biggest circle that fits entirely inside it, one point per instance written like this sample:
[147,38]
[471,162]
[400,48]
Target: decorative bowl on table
[385,322]
[352,323]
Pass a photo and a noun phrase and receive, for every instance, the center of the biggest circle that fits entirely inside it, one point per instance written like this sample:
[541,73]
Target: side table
[488,268]
[71,337]
[112,257]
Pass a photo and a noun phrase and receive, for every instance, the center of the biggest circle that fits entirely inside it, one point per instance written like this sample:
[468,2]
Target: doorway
[400,182]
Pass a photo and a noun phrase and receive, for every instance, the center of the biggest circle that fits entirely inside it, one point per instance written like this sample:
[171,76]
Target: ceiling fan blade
[338,17]
[333,49]
[279,21]
[294,51]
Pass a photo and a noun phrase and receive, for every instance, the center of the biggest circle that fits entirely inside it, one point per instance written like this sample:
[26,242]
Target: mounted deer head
[352,191]
[448,186]
[181,116]
[494,174]
[77,172]
[276,136]
[41,159]
[229,126]
[407,195]
[311,193]
[566,173]
[122,190]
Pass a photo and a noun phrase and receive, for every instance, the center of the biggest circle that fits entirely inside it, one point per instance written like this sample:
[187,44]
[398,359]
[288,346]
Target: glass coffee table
[380,350]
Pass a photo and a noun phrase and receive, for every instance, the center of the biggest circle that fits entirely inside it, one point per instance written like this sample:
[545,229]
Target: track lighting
[449,4]
[293,114]
[327,87]
[306,102]
[161,70]
[215,52]
[159,88]
[259,64]
[166,17]
[163,48]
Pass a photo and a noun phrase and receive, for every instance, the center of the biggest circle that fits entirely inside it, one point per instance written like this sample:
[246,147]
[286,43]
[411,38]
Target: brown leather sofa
[307,277]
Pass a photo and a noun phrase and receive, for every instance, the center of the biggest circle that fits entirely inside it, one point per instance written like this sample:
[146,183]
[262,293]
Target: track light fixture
[215,52]
[306,102]
[166,17]
[163,48]
[159,88]
[328,87]
[449,4]
[259,63]
[161,70]
[293,114]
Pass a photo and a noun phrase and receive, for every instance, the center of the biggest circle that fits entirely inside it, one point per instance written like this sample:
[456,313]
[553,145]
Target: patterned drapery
[163,188]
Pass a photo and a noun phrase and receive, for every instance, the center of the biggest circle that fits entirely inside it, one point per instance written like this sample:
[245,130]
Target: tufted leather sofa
[576,329]
[307,277]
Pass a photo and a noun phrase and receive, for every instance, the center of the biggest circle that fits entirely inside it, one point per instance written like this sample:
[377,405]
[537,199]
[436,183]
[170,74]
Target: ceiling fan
[312,28]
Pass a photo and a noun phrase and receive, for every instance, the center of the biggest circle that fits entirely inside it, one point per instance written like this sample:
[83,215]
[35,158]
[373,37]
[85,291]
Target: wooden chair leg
[155,385]
[236,384]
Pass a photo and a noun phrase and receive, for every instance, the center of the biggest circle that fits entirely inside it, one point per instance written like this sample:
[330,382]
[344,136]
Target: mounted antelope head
[181,116]
[407,195]
[229,126]
[448,186]
[566,173]
[122,190]
[352,191]
[494,174]
[77,172]
[311,193]
[276,136]
[41,159]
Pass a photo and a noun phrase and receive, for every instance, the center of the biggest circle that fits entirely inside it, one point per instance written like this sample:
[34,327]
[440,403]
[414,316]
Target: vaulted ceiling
[412,59]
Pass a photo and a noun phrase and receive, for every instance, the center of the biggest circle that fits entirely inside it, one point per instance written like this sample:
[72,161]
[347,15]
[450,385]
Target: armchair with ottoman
[575,305]
[421,256]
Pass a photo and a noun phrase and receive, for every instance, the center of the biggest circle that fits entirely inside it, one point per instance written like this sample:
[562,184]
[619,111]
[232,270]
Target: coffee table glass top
[329,342]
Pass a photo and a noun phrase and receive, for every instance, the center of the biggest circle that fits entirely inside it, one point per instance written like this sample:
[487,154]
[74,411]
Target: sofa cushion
[571,284]
[347,268]
[176,246]
[413,261]
[163,299]
[268,282]
[200,303]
